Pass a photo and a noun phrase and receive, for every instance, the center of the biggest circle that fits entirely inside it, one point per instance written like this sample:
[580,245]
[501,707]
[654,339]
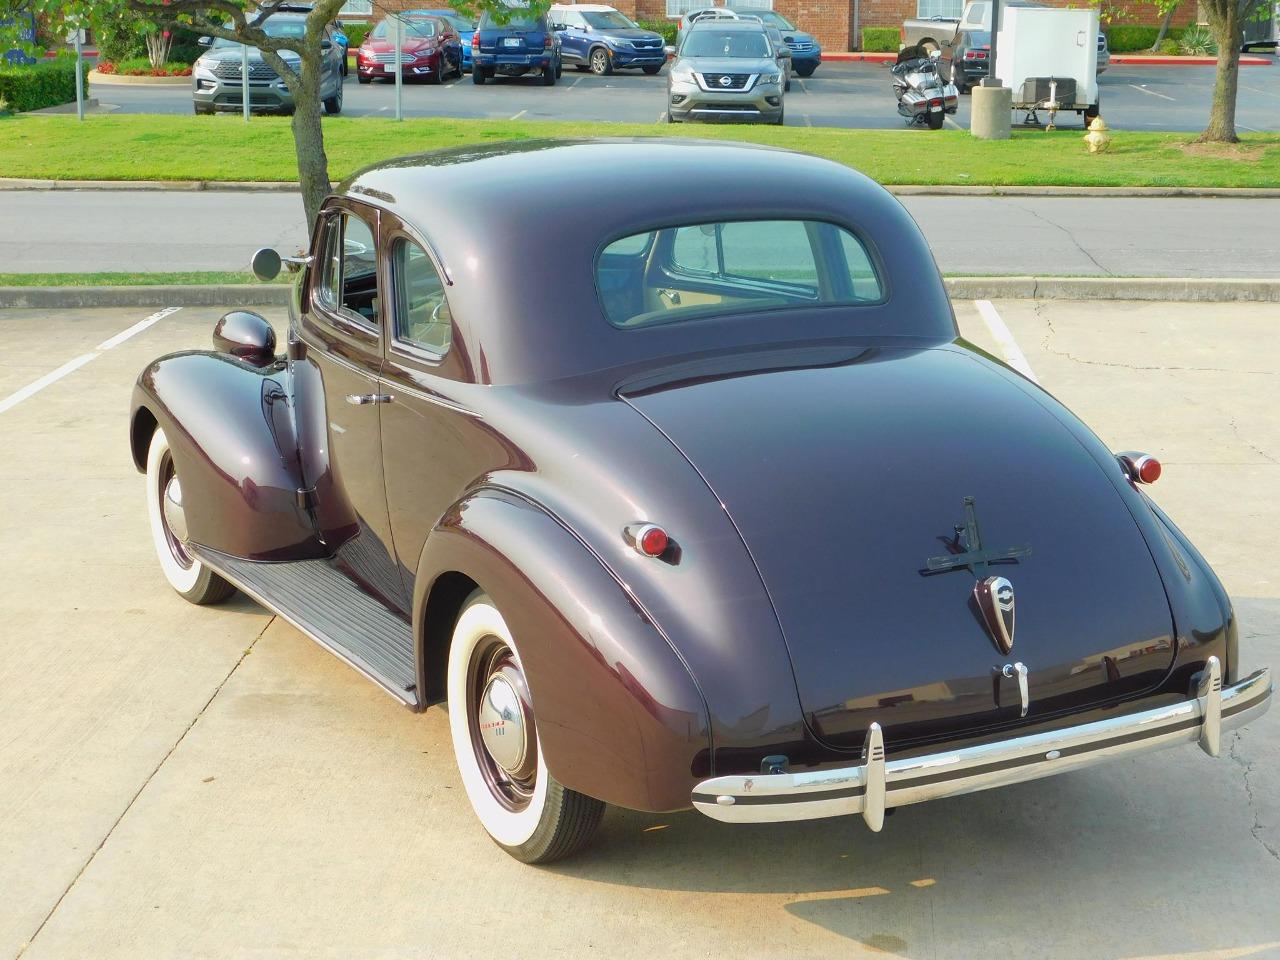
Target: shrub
[668,28]
[356,32]
[141,67]
[1170,47]
[39,85]
[1130,38]
[1198,42]
[119,39]
[880,39]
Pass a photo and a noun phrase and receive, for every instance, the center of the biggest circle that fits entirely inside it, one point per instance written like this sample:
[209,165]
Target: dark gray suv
[216,76]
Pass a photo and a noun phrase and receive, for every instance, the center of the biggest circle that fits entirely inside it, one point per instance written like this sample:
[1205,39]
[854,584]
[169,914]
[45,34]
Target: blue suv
[806,53]
[524,44]
[602,39]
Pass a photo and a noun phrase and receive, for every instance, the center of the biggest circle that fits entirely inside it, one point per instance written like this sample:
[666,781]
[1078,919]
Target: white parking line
[800,81]
[1143,89]
[1008,346]
[951,121]
[808,121]
[520,114]
[71,366]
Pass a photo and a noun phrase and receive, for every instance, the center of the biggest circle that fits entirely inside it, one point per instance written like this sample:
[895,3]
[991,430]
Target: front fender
[232,436]
[620,717]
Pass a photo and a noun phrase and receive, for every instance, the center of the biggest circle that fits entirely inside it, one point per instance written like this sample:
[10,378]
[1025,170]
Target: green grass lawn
[140,147]
[129,279]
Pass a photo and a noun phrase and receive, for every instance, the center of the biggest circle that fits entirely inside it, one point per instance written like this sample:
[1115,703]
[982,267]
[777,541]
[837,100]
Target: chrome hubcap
[175,517]
[502,725]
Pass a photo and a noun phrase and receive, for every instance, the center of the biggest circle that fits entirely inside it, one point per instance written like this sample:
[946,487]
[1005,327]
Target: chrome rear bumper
[876,784]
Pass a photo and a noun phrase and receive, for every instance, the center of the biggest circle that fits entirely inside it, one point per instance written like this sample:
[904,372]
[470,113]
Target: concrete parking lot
[205,782]
[838,95]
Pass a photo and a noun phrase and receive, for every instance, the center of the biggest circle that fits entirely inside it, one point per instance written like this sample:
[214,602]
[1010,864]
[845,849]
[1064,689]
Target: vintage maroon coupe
[665,465]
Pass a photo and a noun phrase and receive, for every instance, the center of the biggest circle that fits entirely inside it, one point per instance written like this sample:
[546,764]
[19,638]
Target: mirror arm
[294,264]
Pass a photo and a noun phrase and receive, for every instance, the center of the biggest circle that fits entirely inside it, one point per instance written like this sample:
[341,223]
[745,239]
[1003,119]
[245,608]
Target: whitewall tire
[188,576]
[495,741]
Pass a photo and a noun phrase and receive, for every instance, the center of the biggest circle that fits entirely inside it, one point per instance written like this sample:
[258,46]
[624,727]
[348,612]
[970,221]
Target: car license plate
[512,42]
[935,109]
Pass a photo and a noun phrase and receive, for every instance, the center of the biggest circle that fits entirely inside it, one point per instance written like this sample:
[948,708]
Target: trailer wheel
[1091,112]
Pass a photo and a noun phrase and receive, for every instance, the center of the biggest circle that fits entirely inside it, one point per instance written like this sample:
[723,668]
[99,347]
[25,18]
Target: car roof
[716,23]
[585,7]
[517,228]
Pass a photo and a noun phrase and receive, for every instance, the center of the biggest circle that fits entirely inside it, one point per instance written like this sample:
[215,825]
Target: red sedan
[429,49]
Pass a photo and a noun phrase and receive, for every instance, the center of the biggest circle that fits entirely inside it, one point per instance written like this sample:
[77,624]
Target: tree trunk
[308,136]
[1224,22]
[1164,28]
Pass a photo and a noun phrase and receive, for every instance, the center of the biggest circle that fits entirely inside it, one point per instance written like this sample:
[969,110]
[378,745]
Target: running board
[334,612]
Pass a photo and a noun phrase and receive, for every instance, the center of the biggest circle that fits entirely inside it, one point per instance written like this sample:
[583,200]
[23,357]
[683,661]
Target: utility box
[1036,44]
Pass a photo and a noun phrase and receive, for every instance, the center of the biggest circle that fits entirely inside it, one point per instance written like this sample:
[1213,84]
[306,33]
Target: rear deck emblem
[993,594]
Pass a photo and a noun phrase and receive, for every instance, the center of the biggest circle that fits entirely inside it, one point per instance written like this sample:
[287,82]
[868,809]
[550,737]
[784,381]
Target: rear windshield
[518,21]
[710,42]
[716,269]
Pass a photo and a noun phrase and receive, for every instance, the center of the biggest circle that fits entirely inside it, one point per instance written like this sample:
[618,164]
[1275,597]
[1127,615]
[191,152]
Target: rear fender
[620,717]
[231,432]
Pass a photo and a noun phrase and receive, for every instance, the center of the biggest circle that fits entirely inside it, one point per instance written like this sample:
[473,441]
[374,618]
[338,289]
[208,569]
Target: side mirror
[935,54]
[205,41]
[265,264]
[246,336]
[326,44]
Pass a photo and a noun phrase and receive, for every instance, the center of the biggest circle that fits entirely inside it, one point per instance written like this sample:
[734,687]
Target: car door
[433,446]
[573,38]
[340,406]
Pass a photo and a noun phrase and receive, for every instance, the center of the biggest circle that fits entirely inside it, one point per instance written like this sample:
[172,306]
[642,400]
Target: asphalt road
[838,95]
[195,782]
[56,231]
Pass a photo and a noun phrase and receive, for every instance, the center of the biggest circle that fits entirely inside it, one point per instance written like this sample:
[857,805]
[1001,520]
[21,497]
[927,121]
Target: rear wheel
[807,70]
[548,76]
[188,576]
[495,741]
[1091,111]
[477,74]
[936,120]
[600,62]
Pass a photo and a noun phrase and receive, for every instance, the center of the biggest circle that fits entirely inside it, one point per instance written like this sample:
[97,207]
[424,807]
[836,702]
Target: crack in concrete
[1068,355]
[145,783]
[1070,236]
[1247,766]
[1235,428]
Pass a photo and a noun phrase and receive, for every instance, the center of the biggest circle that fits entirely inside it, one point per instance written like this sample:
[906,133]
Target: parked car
[782,53]
[705,503]
[463,25]
[956,39]
[216,82]
[725,70]
[806,52]
[337,34]
[430,50]
[522,45]
[599,38]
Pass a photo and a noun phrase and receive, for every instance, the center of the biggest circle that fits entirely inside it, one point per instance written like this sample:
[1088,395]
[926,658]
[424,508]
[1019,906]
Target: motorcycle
[922,95]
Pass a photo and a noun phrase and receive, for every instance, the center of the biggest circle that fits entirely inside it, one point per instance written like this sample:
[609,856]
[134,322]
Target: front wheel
[495,741]
[652,69]
[600,62]
[807,70]
[333,104]
[165,508]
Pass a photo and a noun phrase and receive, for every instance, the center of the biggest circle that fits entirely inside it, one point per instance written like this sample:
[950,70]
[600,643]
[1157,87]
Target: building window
[678,8]
[357,8]
[939,8]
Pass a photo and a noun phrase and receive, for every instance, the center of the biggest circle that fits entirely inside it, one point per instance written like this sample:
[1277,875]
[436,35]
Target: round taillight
[1147,469]
[651,540]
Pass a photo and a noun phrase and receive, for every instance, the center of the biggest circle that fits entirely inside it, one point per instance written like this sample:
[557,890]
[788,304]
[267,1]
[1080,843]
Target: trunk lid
[845,478]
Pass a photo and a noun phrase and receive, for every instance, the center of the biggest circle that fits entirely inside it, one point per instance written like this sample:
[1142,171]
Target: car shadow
[1114,860]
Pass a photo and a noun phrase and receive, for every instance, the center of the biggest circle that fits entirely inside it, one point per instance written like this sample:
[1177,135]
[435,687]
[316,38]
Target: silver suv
[216,76]
[725,70]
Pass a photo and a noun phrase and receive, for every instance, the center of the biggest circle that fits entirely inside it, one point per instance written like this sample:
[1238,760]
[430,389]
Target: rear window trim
[870,248]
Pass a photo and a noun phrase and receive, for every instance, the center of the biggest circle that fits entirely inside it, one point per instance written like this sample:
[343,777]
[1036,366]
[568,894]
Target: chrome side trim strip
[835,792]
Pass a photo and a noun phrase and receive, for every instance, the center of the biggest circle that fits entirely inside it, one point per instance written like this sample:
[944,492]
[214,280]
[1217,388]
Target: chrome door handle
[1019,670]
[360,399]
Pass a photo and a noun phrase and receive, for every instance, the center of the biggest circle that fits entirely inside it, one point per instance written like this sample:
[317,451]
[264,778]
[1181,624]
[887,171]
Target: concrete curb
[902,190]
[1181,289]
[123,80]
[160,295]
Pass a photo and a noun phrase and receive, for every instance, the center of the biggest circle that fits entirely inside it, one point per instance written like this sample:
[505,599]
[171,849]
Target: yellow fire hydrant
[1098,139]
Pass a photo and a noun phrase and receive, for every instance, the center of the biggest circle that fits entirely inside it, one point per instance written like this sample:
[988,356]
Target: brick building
[836,23]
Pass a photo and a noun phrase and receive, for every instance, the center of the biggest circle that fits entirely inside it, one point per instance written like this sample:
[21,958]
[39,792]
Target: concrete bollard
[992,112]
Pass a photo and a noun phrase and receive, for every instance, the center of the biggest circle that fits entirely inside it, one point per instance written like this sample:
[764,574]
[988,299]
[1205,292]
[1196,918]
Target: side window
[422,317]
[866,286]
[695,248]
[349,281]
[776,250]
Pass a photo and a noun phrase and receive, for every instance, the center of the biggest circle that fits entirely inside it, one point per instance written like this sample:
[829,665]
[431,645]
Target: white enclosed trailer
[1048,57]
